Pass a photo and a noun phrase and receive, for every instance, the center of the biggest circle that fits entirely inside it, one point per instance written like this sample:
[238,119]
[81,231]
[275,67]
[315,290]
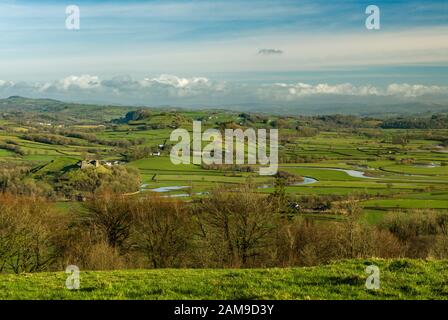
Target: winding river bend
[306,181]
[352,173]
[168,189]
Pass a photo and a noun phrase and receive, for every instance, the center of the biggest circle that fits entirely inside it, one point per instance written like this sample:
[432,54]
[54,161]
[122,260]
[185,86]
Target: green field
[399,279]
[394,177]
[325,166]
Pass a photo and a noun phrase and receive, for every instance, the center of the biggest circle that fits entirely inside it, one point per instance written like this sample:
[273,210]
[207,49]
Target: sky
[218,52]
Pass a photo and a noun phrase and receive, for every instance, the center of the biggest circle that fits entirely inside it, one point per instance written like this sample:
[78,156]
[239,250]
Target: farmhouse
[89,164]
[97,163]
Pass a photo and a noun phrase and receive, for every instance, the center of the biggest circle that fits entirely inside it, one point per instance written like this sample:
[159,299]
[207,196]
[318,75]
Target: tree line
[237,228]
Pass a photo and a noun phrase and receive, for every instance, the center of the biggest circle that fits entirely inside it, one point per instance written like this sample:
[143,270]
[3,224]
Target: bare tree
[161,230]
[27,229]
[237,225]
[111,214]
[351,210]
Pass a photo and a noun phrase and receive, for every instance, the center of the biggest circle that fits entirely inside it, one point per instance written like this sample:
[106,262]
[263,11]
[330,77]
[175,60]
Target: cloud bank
[188,91]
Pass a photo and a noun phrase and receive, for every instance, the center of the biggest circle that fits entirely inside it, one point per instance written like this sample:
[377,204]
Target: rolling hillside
[399,279]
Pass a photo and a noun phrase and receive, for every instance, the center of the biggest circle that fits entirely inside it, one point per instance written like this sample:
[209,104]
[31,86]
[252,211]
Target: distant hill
[357,109]
[58,111]
[74,112]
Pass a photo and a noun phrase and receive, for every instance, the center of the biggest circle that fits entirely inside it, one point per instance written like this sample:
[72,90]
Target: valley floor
[399,279]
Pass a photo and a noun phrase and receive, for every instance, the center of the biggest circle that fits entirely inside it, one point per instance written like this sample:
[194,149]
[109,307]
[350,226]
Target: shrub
[27,231]
[440,248]
[162,230]
[110,214]
[417,230]
[237,226]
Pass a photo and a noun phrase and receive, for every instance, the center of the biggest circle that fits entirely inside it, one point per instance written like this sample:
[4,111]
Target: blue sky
[316,42]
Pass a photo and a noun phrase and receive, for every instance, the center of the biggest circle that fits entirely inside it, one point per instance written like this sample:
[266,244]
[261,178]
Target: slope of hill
[58,111]
[399,279]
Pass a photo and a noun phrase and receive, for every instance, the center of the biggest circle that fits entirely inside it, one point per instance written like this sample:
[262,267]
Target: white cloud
[80,82]
[182,91]
[4,83]
[303,89]
[176,82]
[412,91]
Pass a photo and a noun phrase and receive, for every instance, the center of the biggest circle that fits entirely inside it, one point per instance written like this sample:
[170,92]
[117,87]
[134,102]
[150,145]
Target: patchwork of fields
[352,164]
[413,175]
[340,183]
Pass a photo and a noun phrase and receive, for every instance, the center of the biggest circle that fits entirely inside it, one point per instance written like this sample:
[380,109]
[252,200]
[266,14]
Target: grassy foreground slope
[400,279]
